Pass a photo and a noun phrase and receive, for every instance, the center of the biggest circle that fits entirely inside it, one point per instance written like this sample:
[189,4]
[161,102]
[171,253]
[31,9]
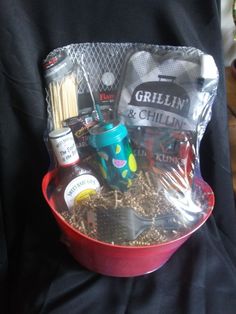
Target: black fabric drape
[36,272]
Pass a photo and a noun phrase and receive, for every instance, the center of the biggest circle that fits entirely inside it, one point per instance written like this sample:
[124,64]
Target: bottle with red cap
[73,180]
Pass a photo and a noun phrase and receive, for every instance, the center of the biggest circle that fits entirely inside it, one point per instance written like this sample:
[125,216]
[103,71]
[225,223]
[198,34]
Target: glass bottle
[73,180]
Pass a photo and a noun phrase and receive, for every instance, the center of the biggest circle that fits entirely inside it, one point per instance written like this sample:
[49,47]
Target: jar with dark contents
[79,127]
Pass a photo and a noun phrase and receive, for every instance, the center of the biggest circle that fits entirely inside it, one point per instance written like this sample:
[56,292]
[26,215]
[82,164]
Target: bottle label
[64,146]
[80,188]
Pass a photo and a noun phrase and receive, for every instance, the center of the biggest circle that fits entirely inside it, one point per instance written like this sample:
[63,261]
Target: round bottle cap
[57,66]
[59,133]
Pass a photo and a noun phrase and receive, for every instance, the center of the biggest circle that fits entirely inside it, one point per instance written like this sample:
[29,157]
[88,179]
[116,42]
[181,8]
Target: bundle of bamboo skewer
[62,88]
[63,100]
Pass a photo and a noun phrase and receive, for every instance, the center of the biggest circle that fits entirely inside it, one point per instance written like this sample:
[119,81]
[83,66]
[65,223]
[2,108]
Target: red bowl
[117,260]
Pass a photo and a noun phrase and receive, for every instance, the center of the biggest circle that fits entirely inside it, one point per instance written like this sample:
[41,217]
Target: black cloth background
[36,272]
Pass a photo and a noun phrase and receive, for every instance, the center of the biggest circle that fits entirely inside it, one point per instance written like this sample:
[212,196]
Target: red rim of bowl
[205,187]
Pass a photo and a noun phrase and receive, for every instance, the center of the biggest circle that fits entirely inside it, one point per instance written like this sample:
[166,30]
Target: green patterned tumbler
[115,155]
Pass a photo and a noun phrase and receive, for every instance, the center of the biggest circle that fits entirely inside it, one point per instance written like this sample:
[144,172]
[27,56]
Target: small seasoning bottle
[73,180]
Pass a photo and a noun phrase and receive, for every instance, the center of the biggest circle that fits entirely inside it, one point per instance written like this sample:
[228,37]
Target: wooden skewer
[63,100]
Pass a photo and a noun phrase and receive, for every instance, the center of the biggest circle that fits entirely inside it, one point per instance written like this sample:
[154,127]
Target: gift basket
[125,123]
